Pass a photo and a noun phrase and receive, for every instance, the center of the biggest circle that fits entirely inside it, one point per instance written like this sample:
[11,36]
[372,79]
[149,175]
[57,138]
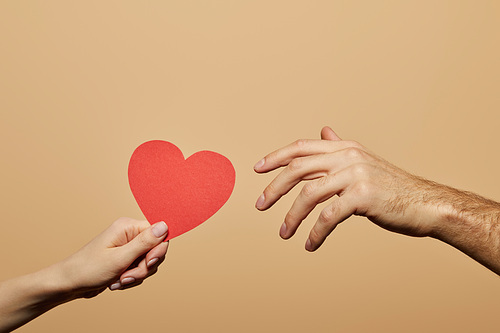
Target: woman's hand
[121,257]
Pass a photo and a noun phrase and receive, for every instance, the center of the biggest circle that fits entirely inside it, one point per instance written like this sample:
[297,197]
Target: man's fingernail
[259,164]
[152,262]
[309,245]
[283,230]
[115,286]
[159,229]
[260,201]
[128,280]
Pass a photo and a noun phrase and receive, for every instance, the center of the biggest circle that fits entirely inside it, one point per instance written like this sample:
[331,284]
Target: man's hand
[367,185]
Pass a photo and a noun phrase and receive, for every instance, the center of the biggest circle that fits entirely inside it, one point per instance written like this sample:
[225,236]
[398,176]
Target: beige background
[81,85]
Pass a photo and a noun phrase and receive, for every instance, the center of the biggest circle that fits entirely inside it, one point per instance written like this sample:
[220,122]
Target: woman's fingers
[115,285]
[146,267]
[144,242]
[156,255]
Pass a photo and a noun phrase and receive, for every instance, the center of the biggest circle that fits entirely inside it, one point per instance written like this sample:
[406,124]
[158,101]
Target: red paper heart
[182,192]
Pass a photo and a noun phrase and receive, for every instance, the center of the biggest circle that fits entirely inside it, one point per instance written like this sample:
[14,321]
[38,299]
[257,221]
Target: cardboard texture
[182,192]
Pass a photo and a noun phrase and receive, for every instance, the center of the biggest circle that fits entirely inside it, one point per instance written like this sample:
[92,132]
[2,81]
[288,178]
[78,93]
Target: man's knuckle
[326,215]
[309,190]
[290,218]
[363,189]
[270,190]
[300,143]
[354,153]
[325,181]
[360,170]
[355,144]
[295,165]
[315,235]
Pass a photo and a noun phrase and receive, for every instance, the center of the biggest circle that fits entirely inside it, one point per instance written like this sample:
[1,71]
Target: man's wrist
[445,226]
[471,224]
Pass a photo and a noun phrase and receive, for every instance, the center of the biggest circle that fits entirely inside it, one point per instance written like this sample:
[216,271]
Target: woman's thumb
[145,241]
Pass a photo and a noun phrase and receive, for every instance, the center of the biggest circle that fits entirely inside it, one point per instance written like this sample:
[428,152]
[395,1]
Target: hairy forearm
[27,297]
[471,224]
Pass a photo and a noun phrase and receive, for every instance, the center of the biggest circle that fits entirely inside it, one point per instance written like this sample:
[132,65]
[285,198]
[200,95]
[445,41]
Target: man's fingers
[312,194]
[144,242]
[308,168]
[303,168]
[300,148]
[335,213]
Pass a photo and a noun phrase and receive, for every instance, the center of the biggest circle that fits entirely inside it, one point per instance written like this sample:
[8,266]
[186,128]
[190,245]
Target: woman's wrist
[50,287]
[27,297]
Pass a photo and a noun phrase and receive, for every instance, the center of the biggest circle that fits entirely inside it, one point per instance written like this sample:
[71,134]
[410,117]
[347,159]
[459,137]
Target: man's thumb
[328,134]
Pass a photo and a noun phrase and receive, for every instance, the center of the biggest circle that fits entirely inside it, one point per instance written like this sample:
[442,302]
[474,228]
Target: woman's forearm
[109,260]
[27,297]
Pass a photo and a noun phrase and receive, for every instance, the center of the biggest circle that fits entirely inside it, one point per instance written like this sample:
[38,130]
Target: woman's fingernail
[115,286]
[159,229]
[128,280]
[309,245]
[260,201]
[283,230]
[152,262]
[259,164]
